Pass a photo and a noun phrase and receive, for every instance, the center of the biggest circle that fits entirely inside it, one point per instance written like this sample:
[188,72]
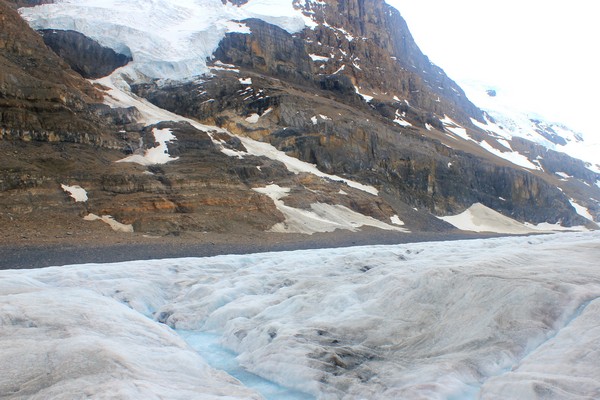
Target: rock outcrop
[84,55]
[41,98]
[372,43]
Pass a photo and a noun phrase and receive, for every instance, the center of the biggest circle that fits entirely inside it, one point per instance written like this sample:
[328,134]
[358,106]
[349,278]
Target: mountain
[253,116]
[508,121]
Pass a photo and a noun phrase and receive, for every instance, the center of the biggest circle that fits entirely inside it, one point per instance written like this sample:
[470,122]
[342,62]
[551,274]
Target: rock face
[270,50]
[41,97]
[83,54]
[323,121]
[354,96]
[372,42]
[27,3]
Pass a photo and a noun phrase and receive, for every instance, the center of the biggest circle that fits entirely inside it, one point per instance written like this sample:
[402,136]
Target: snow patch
[548,227]
[156,155]
[340,69]
[400,119]
[396,220]
[108,219]
[366,97]
[298,166]
[511,156]
[581,210]
[220,66]
[563,175]
[479,218]
[317,58]
[237,27]
[455,128]
[253,119]
[320,218]
[245,81]
[511,121]
[514,157]
[78,193]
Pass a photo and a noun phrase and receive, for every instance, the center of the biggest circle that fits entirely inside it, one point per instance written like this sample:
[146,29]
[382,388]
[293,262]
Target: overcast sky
[542,55]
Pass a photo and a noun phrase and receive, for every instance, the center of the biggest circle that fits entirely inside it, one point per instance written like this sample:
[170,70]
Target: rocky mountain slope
[395,142]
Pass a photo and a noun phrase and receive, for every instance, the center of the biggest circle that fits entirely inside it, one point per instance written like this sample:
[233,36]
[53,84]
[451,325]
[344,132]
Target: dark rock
[341,85]
[268,50]
[41,97]
[84,55]
[381,56]
[28,3]
[548,132]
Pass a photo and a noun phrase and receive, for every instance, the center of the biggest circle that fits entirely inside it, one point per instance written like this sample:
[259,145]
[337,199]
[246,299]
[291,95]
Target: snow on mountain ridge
[509,121]
[166,39]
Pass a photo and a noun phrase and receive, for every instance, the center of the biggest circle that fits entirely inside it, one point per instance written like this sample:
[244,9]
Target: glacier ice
[166,39]
[509,317]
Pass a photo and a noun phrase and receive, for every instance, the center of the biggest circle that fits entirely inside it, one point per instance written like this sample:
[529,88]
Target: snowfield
[505,318]
[479,218]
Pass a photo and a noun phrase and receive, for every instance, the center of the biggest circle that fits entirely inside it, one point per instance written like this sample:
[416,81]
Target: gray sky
[543,55]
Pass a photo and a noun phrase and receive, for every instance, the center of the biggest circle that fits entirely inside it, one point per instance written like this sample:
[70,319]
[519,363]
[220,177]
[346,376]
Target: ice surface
[500,318]
[166,39]
[66,343]
[549,371]
[218,357]
[78,193]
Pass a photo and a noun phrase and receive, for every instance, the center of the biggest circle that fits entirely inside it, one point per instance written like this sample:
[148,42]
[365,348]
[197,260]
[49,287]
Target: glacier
[169,40]
[512,317]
